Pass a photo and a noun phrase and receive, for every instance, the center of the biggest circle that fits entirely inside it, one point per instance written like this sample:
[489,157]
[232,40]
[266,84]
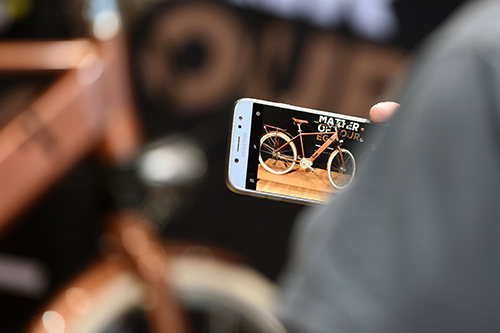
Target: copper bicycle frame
[88,108]
[334,137]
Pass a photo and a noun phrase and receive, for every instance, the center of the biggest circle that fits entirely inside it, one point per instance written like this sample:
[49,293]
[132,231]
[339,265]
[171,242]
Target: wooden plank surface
[298,183]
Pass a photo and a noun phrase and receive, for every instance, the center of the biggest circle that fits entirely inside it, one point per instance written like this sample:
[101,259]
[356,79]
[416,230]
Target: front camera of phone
[240,118]
[239,126]
[236,160]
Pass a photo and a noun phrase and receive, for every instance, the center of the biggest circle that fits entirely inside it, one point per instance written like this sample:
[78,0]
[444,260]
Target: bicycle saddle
[300,121]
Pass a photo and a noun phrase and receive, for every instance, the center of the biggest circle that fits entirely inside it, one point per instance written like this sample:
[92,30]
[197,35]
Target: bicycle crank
[306,163]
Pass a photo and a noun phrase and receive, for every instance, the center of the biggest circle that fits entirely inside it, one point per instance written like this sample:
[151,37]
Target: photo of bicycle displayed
[278,153]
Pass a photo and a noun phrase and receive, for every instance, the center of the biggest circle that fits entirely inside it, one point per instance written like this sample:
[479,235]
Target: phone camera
[236,160]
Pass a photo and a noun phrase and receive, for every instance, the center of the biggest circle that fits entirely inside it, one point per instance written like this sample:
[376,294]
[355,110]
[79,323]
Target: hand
[382,112]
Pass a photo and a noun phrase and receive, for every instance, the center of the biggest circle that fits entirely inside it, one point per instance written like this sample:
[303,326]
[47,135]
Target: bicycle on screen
[278,153]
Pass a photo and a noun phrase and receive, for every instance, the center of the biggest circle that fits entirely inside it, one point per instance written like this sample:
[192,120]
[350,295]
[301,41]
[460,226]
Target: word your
[343,134]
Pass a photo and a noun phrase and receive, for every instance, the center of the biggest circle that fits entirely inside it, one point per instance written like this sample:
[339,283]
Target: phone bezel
[239,139]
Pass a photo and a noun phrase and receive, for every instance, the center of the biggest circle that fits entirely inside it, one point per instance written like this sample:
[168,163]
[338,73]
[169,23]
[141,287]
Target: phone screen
[304,154]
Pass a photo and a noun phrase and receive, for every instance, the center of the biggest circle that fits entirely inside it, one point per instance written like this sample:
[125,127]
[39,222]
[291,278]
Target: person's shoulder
[473,32]
[475,26]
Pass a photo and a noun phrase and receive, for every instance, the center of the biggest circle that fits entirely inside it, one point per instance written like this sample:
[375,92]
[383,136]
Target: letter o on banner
[196,57]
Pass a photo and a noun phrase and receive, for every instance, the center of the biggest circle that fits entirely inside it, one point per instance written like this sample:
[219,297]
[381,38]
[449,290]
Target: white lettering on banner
[372,19]
[323,120]
[326,123]
[353,126]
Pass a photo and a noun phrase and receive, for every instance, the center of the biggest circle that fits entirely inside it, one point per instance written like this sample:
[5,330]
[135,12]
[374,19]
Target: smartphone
[295,154]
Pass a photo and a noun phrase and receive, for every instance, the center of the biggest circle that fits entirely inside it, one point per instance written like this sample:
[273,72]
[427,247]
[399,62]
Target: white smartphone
[289,153]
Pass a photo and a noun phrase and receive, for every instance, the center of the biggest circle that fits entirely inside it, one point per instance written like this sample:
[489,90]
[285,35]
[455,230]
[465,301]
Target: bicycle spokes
[277,153]
[341,168]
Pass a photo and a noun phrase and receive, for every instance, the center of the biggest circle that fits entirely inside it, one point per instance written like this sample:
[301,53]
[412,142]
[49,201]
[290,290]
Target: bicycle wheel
[341,168]
[219,296]
[277,162]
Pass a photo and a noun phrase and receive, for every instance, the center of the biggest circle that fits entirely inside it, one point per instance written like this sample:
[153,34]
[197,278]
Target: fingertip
[382,112]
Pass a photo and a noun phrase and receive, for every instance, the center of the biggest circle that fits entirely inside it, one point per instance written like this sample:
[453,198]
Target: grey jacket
[414,244]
